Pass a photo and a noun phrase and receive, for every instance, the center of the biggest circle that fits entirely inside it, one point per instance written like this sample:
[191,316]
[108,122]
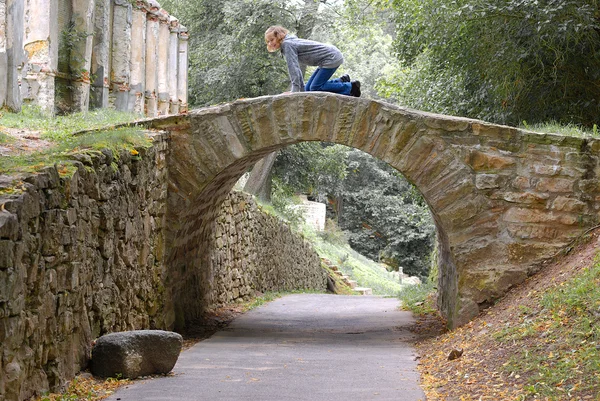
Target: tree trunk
[259,182]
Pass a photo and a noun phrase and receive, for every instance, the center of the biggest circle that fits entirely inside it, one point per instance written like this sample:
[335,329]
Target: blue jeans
[319,81]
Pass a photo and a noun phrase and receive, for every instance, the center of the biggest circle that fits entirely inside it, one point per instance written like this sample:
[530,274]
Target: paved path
[300,347]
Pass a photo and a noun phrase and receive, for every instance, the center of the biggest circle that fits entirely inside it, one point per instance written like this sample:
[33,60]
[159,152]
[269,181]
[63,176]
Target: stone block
[136,353]
[487,181]
[483,161]
[521,183]
[524,215]
[7,254]
[554,185]
[528,198]
[531,231]
[9,225]
[567,204]
[589,186]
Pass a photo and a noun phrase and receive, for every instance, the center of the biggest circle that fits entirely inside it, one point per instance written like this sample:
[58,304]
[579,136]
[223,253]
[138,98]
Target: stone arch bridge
[503,199]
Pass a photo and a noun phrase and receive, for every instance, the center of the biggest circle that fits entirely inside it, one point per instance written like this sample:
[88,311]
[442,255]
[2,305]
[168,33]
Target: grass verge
[5,138]
[562,129]
[561,339]
[61,128]
[59,131]
[360,268]
[419,299]
[539,342]
[128,139]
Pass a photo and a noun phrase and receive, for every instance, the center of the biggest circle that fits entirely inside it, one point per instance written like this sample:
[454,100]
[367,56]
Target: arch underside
[497,212]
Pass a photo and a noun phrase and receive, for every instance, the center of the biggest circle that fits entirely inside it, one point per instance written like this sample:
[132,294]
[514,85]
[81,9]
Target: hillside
[541,341]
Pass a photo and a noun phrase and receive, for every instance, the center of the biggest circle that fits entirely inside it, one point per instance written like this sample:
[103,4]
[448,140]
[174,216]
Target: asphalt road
[300,347]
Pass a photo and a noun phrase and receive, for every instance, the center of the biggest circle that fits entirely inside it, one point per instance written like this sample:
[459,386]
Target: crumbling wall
[75,55]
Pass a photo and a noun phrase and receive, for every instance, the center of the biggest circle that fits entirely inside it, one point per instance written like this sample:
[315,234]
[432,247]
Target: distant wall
[255,251]
[314,213]
[76,55]
[83,255]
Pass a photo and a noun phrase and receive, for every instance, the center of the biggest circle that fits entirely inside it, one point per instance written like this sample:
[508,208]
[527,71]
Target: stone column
[163,63]
[100,66]
[173,69]
[121,54]
[182,75]
[3,55]
[81,53]
[151,58]
[41,49]
[14,28]
[138,57]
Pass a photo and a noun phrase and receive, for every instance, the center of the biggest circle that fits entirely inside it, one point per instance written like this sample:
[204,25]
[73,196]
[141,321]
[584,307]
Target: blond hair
[278,31]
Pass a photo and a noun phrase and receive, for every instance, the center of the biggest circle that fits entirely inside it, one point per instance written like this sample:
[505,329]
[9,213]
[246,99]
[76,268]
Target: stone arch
[493,228]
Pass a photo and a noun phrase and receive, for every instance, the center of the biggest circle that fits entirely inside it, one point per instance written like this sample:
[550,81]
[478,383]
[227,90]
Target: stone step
[352,283]
[334,268]
[363,290]
[339,273]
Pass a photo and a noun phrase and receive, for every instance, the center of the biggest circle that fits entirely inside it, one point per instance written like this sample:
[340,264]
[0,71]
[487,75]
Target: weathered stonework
[503,199]
[72,55]
[253,251]
[121,54]
[13,54]
[100,60]
[83,256]
[138,59]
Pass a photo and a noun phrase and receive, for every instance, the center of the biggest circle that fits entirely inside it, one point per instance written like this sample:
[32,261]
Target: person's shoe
[345,78]
[355,91]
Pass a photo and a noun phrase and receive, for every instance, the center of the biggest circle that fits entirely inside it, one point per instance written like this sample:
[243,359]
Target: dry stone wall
[254,251]
[83,255]
[80,256]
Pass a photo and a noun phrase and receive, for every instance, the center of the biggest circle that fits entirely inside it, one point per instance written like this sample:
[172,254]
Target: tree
[385,216]
[363,30]
[313,168]
[259,181]
[227,55]
[503,61]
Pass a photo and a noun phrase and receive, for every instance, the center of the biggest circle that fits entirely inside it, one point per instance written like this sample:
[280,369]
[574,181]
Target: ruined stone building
[75,55]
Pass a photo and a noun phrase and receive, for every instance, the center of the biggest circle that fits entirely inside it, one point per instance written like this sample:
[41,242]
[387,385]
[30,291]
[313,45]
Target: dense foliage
[503,61]
[313,168]
[383,215]
[228,56]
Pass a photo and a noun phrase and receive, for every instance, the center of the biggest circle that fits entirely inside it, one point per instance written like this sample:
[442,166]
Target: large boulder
[136,353]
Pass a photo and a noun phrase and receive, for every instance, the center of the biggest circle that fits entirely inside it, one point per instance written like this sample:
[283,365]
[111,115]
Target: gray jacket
[298,52]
